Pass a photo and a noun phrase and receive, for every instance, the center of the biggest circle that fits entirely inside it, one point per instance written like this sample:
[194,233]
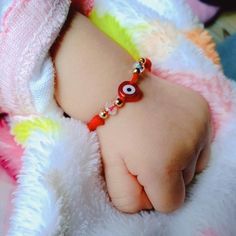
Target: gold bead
[142,60]
[119,102]
[103,115]
[136,71]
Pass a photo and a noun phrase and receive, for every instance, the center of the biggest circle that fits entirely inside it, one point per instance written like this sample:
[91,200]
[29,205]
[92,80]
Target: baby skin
[153,148]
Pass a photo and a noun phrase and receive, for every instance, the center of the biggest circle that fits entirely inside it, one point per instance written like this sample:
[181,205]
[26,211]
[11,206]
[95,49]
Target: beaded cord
[128,91]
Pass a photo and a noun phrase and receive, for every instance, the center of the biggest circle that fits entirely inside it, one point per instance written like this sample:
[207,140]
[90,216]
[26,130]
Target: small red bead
[135,78]
[148,64]
[95,122]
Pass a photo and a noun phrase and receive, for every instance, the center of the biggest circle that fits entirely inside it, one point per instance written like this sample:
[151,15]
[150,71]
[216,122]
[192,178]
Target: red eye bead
[129,92]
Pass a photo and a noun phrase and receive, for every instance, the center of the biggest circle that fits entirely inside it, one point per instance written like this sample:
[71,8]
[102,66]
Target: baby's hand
[152,149]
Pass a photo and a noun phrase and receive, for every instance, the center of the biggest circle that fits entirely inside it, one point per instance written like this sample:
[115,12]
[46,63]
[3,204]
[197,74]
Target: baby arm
[151,149]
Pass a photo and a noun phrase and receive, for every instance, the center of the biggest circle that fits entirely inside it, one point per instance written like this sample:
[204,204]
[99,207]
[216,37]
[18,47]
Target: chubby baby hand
[153,148]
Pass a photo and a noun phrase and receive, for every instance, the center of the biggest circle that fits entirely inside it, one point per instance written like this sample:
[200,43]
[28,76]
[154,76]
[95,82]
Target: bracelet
[128,91]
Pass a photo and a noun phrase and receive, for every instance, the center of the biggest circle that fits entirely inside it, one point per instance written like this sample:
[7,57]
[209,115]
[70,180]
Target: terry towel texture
[59,190]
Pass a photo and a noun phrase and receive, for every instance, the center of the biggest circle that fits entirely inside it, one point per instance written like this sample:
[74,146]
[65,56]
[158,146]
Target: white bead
[139,66]
[111,108]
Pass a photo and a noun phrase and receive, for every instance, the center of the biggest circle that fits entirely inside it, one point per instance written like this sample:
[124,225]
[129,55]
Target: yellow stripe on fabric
[109,25]
[23,130]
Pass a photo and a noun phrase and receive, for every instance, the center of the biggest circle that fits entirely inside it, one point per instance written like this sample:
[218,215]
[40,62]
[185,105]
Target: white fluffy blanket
[60,191]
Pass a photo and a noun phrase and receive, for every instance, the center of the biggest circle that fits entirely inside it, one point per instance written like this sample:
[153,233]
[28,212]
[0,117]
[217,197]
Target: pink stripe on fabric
[28,33]
[204,11]
[209,232]
[8,12]
[217,91]
[10,152]
[7,189]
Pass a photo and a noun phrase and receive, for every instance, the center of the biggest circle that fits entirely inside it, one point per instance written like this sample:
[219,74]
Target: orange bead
[95,122]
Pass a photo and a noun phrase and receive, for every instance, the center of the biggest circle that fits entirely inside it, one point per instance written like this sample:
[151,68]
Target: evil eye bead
[129,89]
[129,92]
